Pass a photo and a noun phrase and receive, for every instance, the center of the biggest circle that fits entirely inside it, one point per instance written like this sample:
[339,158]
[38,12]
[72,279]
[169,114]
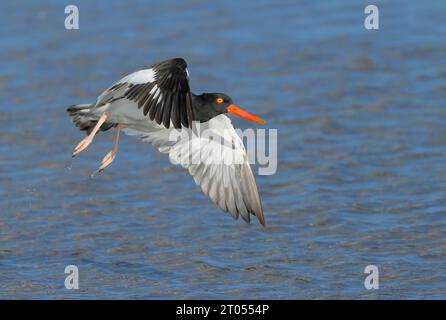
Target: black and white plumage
[155,104]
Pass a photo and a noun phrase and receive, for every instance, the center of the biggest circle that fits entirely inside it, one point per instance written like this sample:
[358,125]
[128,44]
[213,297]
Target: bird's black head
[210,105]
[218,101]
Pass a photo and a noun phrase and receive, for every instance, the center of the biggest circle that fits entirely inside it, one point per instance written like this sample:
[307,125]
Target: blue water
[361,173]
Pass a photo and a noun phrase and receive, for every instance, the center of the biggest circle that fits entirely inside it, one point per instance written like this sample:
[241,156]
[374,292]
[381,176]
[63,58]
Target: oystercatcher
[155,102]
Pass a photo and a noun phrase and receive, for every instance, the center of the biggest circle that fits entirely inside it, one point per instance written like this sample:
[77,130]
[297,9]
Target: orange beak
[232,108]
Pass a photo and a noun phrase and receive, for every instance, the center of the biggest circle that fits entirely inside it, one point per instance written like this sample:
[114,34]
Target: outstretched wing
[217,160]
[162,91]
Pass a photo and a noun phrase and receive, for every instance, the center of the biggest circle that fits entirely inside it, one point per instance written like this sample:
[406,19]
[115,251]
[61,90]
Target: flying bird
[156,103]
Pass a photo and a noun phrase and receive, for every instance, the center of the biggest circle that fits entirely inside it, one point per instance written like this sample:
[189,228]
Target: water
[361,149]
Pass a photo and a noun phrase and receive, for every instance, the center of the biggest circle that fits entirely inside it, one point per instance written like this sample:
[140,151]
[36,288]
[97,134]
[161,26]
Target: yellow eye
[219,100]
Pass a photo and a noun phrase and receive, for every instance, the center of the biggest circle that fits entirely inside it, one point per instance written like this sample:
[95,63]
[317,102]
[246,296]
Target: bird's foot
[108,159]
[82,145]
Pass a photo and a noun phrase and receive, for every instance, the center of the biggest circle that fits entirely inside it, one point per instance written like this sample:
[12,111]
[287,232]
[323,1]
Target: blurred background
[361,152]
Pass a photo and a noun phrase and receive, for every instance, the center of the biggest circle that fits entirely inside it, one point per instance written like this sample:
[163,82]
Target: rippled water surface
[361,173]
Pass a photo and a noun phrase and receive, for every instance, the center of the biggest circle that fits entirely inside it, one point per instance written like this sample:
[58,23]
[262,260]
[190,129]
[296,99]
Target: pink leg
[108,159]
[89,139]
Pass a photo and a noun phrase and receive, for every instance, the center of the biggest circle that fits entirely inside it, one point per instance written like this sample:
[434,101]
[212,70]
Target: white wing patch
[119,88]
[138,77]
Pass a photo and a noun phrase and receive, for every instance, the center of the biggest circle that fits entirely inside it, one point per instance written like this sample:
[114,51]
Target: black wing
[168,97]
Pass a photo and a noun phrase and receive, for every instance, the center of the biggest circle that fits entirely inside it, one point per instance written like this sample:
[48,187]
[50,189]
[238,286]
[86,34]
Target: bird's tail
[84,118]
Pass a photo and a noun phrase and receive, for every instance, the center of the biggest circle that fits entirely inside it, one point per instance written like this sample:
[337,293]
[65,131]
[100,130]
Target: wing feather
[230,185]
[161,90]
